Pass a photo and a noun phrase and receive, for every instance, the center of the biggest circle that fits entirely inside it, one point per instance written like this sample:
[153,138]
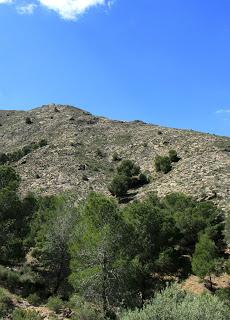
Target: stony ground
[78,157]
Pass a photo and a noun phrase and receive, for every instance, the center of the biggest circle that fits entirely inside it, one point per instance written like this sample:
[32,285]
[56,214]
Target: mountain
[78,156]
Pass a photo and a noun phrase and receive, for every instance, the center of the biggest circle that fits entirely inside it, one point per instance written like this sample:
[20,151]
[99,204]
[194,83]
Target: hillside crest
[79,153]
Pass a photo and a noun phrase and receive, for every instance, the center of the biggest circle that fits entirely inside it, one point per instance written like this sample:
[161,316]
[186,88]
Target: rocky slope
[78,157]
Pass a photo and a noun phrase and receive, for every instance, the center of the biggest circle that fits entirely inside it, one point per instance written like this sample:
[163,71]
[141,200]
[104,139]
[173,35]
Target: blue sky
[162,61]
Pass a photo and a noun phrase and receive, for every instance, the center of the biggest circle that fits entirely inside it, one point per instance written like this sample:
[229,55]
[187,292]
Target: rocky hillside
[79,153]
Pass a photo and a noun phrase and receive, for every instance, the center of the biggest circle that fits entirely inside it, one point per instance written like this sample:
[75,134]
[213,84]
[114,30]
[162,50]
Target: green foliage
[34,299]
[174,304]
[52,228]
[116,157]
[95,251]
[84,310]
[224,295]
[204,258]
[128,176]
[21,314]
[42,143]
[100,153]
[173,156]
[151,233]
[8,178]
[119,185]
[128,168]
[227,228]
[28,120]
[192,217]
[3,158]
[56,304]
[25,281]
[143,179]
[18,154]
[5,303]
[163,164]
[15,215]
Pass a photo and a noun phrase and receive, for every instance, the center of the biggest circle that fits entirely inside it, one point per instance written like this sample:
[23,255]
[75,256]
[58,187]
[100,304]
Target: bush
[175,304]
[83,310]
[119,185]
[128,168]
[5,303]
[116,157]
[163,164]
[8,178]
[55,303]
[128,177]
[43,143]
[224,295]
[143,179]
[28,120]
[21,314]
[173,156]
[34,299]
[18,154]
[3,158]
[100,153]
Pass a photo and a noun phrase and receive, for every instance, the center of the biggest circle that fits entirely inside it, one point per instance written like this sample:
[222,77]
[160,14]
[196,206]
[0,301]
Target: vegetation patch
[17,155]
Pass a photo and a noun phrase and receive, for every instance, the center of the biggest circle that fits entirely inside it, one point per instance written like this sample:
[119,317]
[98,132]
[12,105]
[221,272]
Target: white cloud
[221,111]
[5,1]
[67,9]
[71,9]
[27,9]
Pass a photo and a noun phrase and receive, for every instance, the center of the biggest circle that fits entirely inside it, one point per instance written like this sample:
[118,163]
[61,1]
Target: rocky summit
[78,154]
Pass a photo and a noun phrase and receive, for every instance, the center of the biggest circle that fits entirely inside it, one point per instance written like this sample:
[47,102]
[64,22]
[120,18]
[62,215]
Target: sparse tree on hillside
[173,156]
[95,251]
[163,164]
[204,260]
[52,243]
[119,186]
[128,168]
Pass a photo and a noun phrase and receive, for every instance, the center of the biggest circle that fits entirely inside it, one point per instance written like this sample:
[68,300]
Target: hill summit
[75,151]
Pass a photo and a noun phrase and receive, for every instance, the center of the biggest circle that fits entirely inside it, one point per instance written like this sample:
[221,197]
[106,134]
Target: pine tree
[204,259]
[95,251]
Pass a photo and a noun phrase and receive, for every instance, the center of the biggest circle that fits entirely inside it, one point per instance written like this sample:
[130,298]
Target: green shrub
[34,299]
[128,177]
[21,314]
[224,295]
[18,154]
[8,178]
[3,158]
[143,179]
[116,157]
[83,310]
[55,303]
[173,156]
[163,164]
[100,153]
[175,304]
[5,303]
[128,168]
[28,120]
[119,186]
[13,278]
[43,143]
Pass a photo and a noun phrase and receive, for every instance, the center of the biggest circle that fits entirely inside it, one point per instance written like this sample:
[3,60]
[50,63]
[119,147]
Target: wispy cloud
[223,111]
[66,9]
[5,1]
[27,9]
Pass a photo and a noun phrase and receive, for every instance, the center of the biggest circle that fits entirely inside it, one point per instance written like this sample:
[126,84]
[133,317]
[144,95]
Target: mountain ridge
[79,153]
